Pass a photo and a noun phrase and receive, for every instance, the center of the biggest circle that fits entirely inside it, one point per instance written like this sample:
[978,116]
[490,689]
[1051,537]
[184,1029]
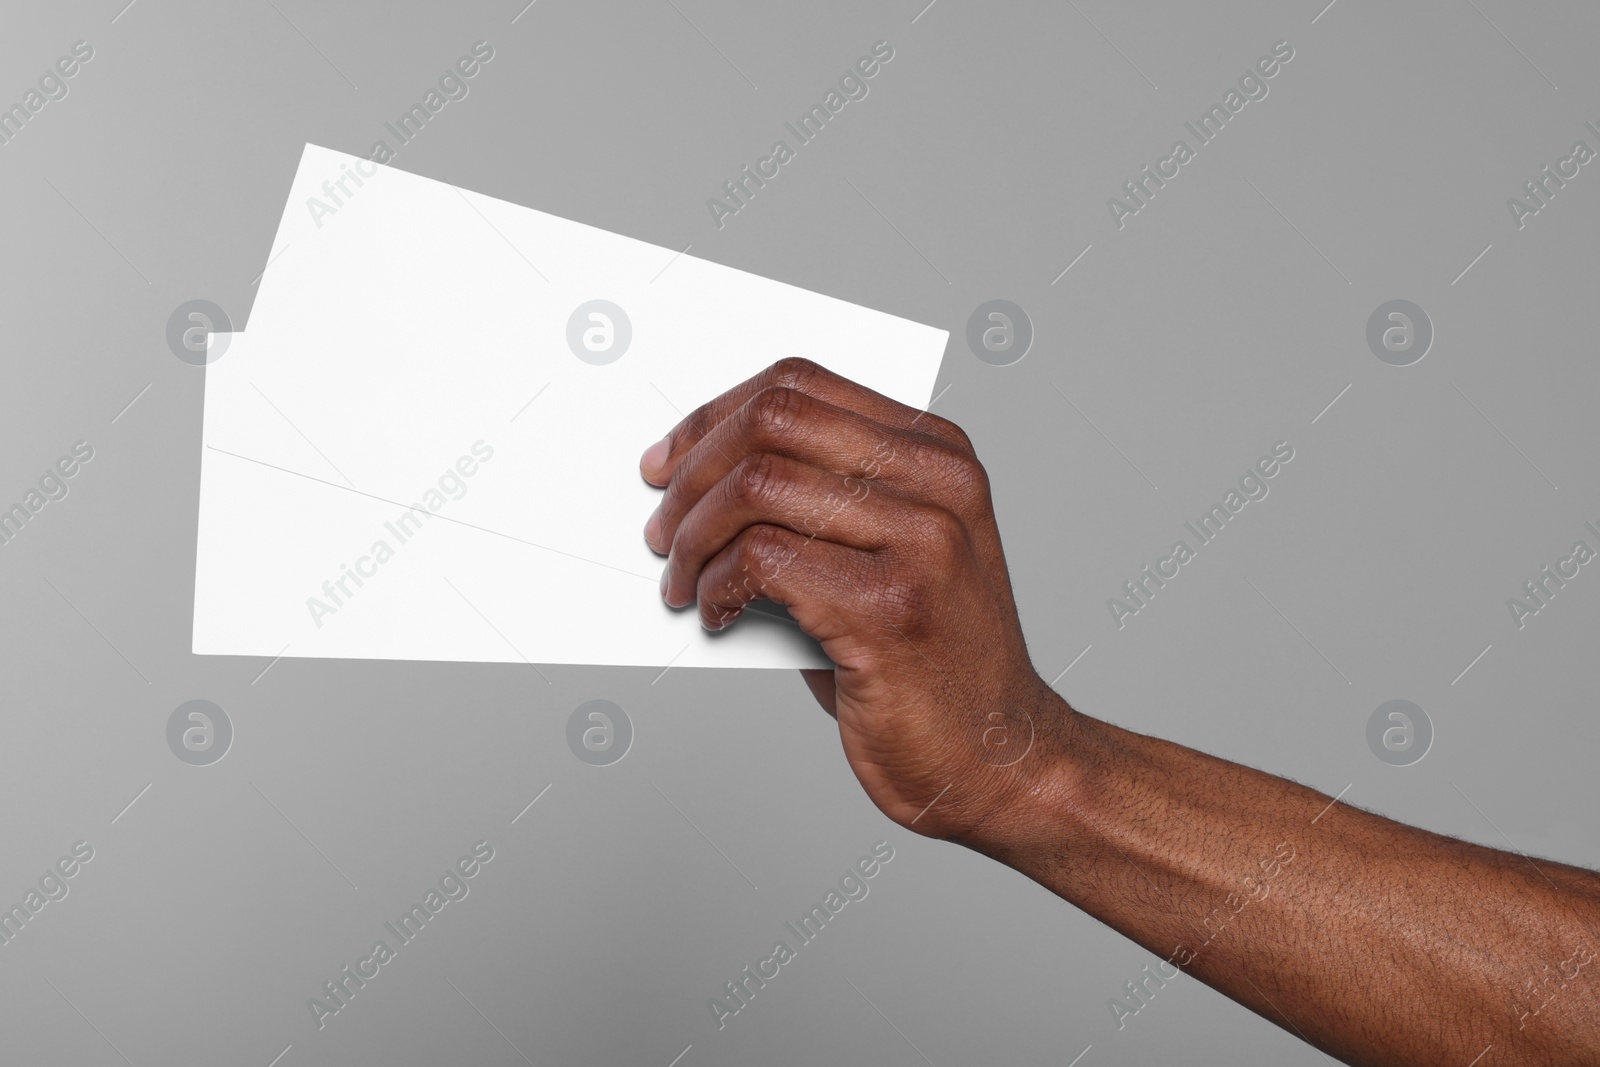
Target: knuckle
[901,602]
[794,372]
[757,478]
[760,544]
[936,532]
[948,430]
[762,551]
[967,482]
[951,476]
[776,410]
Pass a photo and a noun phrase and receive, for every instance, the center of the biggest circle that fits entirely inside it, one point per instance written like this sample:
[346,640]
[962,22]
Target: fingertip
[654,462]
[652,531]
[724,618]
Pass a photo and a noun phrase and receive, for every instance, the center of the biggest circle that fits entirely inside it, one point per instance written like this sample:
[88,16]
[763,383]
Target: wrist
[1035,802]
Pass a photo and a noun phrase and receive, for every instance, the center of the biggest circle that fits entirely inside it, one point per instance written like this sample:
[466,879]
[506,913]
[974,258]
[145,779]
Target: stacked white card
[427,444]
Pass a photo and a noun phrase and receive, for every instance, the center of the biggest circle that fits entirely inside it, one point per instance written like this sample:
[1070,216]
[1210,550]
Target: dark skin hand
[1377,942]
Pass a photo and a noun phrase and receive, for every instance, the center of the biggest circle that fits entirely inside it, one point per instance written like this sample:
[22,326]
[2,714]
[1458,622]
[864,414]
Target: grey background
[1219,320]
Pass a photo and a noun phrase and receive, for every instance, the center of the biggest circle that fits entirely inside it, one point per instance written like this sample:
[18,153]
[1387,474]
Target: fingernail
[654,458]
[664,572]
[652,528]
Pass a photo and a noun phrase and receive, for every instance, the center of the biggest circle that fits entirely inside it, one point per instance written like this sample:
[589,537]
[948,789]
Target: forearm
[1378,942]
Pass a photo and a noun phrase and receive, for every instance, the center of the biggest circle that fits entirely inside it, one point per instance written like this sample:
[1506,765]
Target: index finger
[802,375]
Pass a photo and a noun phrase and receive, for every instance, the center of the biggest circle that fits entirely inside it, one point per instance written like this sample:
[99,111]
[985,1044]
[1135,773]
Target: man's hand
[1375,941]
[871,521]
